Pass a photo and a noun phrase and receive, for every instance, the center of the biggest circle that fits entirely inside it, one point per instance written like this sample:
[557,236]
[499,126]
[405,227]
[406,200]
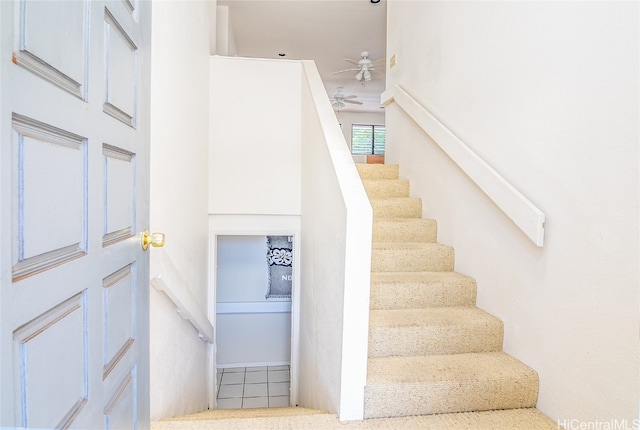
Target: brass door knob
[155,239]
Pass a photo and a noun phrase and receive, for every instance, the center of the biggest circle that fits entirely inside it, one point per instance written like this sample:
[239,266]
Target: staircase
[431,350]
[435,359]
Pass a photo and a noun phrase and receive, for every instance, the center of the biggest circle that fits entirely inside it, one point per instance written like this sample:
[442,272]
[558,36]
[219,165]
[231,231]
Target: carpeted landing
[303,419]
[435,359]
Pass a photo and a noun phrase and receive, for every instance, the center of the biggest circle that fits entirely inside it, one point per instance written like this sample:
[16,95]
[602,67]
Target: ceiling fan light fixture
[367,75]
[340,101]
[359,75]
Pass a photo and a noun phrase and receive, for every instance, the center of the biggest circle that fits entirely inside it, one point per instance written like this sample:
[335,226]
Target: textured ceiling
[326,31]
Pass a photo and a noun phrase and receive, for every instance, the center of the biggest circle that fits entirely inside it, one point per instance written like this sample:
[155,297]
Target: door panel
[50,186]
[51,357]
[74,176]
[118,314]
[120,71]
[121,410]
[49,41]
[119,194]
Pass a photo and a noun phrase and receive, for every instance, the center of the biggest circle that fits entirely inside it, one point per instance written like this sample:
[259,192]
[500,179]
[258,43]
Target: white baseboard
[273,363]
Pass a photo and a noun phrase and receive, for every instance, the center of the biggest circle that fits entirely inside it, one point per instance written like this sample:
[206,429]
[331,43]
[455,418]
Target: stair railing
[169,281]
[512,202]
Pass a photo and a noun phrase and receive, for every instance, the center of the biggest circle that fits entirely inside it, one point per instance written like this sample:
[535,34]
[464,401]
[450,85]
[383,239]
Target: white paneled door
[74,182]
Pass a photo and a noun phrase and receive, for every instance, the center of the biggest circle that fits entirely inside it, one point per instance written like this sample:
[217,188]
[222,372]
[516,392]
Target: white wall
[336,263]
[179,147]
[319,330]
[264,129]
[251,330]
[254,157]
[225,41]
[253,339]
[242,273]
[546,93]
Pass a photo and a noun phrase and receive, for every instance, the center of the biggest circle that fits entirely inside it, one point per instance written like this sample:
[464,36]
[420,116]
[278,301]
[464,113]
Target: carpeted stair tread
[405,230]
[403,290]
[434,331]
[411,257]
[511,419]
[396,207]
[378,171]
[381,188]
[221,414]
[417,385]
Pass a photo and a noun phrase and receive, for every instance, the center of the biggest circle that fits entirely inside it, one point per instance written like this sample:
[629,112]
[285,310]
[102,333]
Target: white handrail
[170,282]
[516,206]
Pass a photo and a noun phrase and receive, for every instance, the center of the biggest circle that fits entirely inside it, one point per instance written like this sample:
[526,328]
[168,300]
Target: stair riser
[386,188]
[422,231]
[416,296]
[378,171]
[404,399]
[436,259]
[397,208]
[430,340]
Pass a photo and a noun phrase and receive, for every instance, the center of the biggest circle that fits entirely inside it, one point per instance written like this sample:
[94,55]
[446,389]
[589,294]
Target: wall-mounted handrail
[512,202]
[169,281]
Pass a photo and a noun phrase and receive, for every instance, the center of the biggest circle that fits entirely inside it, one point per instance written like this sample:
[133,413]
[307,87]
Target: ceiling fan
[364,67]
[338,100]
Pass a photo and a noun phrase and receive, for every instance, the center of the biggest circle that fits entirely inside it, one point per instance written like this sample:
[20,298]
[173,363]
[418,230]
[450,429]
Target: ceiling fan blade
[345,70]
[354,102]
[352,61]
[352,96]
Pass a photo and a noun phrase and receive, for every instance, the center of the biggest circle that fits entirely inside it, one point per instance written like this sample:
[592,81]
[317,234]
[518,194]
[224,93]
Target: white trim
[211,313]
[212,376]
[259,364]
[253,307]
[514,204]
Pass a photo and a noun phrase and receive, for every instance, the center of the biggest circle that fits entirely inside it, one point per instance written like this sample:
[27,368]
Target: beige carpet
[225,414]
[431,350]
[255,419]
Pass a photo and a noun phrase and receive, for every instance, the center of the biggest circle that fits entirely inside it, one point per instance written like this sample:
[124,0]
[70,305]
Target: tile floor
[253,387]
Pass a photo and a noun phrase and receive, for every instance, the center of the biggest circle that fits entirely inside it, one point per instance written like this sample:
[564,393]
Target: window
[367,139]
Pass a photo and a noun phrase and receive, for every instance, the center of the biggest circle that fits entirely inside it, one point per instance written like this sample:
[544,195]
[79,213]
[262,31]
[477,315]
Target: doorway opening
[254,285]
